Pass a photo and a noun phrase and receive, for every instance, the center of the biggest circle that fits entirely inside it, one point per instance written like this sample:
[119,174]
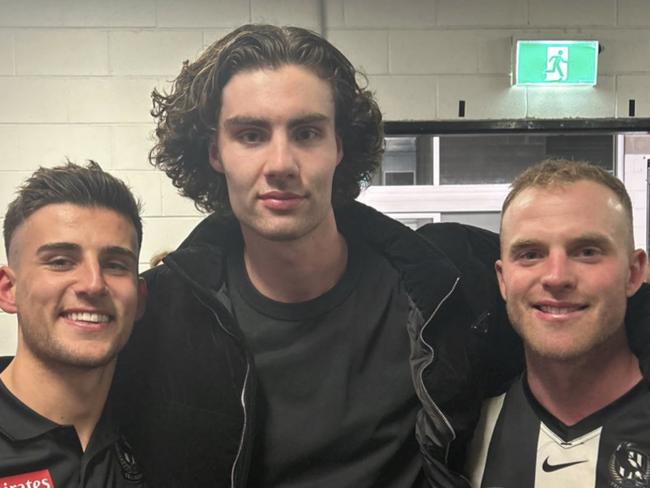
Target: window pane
[476,159]
[407,161]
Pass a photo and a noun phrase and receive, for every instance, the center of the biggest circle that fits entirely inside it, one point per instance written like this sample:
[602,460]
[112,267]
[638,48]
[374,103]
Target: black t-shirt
[336,405]
[48,455]
[522,444]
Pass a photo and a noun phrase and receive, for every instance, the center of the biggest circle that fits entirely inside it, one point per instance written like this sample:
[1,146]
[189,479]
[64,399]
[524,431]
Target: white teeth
[88,317]
[557,310]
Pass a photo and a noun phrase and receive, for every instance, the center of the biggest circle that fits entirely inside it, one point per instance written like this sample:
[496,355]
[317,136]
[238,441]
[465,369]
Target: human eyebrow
[58,247]
[591,240]
[315,118]
[238,121]
[118,251]
[518,246]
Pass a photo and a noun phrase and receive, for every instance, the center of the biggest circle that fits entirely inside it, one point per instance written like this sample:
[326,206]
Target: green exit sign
[561,63]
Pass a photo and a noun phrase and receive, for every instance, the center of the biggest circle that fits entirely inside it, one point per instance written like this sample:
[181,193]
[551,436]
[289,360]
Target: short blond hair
[558,172]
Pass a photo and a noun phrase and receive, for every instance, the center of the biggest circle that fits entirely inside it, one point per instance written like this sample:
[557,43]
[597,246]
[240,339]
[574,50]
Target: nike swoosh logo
[549,468]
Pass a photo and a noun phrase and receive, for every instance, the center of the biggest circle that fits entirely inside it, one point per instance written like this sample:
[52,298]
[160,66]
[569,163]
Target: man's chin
[278,233]
[79,360]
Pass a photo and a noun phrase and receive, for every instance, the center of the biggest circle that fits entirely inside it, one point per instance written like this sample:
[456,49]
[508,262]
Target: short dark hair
[187,118]
[88,186]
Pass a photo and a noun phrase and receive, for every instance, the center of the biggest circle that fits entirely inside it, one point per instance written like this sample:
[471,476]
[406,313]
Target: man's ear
[7,290]
[638,264]
[213,153]
[142,298]
[498,267]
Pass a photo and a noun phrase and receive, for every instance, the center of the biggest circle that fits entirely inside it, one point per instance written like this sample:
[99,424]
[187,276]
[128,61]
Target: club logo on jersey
[35,479]
[629,467]
[130,468]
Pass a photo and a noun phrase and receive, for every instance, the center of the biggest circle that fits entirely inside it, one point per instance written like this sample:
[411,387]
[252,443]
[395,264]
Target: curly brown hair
[187,118]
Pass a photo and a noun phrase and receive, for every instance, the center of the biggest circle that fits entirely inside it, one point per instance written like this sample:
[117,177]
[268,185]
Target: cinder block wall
[75,75]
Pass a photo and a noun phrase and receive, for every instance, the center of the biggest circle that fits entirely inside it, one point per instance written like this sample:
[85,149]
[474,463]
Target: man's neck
[572,390]
[299,270]
[65,395]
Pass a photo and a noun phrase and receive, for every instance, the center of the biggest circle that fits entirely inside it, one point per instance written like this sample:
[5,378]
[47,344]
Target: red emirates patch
[35,479]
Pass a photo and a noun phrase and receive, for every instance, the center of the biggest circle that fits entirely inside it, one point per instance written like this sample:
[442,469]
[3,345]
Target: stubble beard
[55,354]
[586,344]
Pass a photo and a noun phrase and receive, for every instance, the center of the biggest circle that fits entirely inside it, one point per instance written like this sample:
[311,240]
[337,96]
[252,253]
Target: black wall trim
[516,125]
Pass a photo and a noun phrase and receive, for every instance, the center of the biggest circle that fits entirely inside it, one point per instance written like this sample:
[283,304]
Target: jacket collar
[427,273]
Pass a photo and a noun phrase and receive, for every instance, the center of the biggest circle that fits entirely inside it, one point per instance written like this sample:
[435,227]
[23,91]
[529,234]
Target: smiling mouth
[92,317]
[559,310]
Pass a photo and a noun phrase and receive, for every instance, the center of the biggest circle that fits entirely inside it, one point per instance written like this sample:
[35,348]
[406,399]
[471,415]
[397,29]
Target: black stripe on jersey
[586,425]
[516,426]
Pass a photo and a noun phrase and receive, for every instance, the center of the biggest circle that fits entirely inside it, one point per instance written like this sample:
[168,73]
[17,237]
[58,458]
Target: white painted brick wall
[635,87]
[420,104]
[389,13]
[633,13]
[494,50]
[32,100]
[131,145]
[368,48]
[484,96]
[333,15]
[122,99]
[77,13]
[589,102]
[211,35]
[55,143]
[624,51]
[637,185]
[6,53]
[473,13]
[203,13]
[433,51]
[109,13]
[287,12]
[61,52]
[152,52]
[31,13]
[572,12]
[8,334]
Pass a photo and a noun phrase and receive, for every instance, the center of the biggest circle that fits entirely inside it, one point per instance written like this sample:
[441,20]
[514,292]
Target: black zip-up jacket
[187,382]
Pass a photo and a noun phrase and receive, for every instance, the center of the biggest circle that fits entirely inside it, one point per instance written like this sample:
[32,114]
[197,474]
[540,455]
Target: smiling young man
[297,338]
[579,416]
[72,238]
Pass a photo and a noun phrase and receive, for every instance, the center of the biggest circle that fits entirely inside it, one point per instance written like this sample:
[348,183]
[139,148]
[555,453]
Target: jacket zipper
[428,363]
[440,414]
[242,398]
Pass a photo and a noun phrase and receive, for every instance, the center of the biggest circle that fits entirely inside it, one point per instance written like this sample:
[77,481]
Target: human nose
[281,161]
[90,279]
[558,273]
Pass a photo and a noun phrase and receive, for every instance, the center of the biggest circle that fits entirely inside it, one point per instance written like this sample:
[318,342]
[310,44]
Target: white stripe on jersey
[478,448]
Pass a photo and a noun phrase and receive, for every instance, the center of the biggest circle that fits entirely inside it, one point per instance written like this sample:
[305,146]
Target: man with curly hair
[298,338]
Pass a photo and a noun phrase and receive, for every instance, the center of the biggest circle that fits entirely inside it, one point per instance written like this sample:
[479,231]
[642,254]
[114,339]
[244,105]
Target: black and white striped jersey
[518,444]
